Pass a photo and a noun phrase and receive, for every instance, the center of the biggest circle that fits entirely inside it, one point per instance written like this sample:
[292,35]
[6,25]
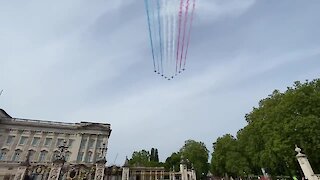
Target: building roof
[6,119]
[4,114]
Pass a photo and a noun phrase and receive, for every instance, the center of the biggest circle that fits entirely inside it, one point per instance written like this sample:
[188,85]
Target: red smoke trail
[184,32]
[189,33]
[178,40]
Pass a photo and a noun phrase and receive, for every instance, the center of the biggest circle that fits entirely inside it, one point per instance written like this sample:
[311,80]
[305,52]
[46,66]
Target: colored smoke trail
[165,35]
[150,34]
[184,32]
[169,23]
[154,34]
[179,33]
[169,40]
[160,37]
[173,35]
[189,33]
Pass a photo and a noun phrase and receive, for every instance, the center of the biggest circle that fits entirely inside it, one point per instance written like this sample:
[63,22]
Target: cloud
[210,10]
[176,108]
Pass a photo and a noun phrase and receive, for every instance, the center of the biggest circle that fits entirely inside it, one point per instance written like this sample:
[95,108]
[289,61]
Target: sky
[79,60]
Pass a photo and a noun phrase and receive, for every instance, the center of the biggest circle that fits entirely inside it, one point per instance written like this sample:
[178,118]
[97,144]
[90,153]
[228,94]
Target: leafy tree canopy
[173,162]
[281,121]
[198,154]
[144,158]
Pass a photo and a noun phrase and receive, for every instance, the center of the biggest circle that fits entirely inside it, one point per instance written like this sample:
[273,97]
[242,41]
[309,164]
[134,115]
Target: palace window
[70,142]
[80,156]
[91,143]
[16,155]
[59,142]
[99,143]
[89,157]
[23,140]
[31,155]
[10,140]
[83,142]
[3,154]
[48,142]
[54,155]
[36,141]
[43,155]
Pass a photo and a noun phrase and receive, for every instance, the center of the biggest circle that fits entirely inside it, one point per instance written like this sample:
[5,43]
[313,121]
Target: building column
[125,173]
[75,148]
[95,146]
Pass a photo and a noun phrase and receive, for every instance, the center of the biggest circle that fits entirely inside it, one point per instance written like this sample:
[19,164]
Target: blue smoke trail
[159,22]
[149,24]
[154,33]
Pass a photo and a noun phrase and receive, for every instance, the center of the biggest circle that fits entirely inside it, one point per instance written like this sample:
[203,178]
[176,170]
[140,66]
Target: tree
[281,121]
[144,158]
[198,154]
[140,158]
[227,158]
[154,155]
[274,127]
[173,162]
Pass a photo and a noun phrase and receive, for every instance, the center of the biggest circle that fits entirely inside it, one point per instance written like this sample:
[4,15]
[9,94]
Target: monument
[305,165]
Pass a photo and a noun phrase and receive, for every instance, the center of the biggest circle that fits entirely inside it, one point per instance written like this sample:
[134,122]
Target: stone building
[155,173]
[37,142]
[48,150]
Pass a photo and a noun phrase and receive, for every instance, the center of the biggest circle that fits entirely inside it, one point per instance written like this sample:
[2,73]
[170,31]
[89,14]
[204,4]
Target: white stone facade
[40,139]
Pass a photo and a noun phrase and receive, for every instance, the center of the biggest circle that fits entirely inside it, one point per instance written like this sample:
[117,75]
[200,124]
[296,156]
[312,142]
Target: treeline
[281,121]
[194,153]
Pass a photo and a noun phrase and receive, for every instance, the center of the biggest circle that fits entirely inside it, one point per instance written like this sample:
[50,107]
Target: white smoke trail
[174,14]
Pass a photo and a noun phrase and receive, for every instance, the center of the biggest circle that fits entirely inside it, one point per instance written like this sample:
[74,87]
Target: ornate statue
[62,152]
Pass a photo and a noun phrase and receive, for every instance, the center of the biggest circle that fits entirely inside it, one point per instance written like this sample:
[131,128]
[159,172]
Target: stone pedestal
[305,165]
[55,171]
[21,172]
[99,171]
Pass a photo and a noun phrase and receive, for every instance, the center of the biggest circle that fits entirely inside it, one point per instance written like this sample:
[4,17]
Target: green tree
[173,162]
[198,154]
[274,127]
[281,121]
[140,158]
[154,157]
[144,158]
[227,158]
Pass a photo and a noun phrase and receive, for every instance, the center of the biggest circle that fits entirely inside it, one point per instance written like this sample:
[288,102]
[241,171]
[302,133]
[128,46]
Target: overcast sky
[80,60]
